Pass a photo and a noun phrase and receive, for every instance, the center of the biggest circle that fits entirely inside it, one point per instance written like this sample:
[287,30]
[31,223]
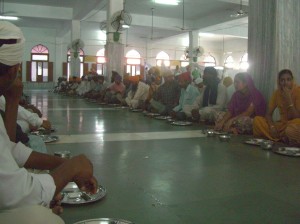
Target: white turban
[11,54]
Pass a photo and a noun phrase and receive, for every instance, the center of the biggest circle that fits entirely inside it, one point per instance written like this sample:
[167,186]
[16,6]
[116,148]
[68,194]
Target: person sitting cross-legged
[246,103]
[287,99]
[167,95]
[188,95]
[25,197]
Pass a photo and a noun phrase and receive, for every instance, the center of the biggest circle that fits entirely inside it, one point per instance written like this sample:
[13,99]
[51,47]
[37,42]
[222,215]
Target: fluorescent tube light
[9,18]
[125,26]
[207,34]
[167,2]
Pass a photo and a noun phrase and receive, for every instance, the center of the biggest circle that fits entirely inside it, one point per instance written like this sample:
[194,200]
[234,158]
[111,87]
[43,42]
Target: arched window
[162,58]
[244,65]
[183,61]
[81,57]
[229,62]
[39,63]
[209,61]
[101,62]
[133,62]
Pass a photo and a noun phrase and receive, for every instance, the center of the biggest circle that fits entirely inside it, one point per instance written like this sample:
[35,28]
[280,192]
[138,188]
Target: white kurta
[140,94]
[18,187]
[25,117]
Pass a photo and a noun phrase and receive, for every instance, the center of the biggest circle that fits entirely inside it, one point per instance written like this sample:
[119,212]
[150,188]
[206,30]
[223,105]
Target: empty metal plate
[163,117]
[73,196]
[288,151]
[104,221]
[182,123]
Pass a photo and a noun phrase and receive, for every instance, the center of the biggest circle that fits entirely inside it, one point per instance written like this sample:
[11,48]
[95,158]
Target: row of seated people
[232,106]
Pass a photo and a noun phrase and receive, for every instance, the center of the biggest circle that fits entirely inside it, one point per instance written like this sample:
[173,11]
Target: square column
[273,44]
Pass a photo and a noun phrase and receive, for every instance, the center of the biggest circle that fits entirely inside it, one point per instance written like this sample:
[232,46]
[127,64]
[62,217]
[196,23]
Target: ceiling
[211,16]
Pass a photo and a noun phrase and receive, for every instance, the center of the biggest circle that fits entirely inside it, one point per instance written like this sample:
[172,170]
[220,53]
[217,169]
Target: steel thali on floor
[288,151]
[104,221]
[181,123]
[73,196]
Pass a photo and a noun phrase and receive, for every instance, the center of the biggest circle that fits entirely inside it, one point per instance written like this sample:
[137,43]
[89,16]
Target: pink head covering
[240,102]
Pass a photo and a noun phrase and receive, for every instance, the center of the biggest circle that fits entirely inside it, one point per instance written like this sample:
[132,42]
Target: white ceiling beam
[37,11]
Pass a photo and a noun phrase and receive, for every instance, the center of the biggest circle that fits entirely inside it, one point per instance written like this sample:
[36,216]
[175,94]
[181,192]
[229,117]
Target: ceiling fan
[152,28]
[183,28]
[240,12]
[6,15]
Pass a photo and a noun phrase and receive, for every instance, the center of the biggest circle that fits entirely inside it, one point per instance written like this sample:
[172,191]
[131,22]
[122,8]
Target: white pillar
[193,43]
[114,50]
[75,60]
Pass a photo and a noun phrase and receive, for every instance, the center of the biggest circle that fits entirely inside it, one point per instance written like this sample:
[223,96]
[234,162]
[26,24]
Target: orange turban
[135,78]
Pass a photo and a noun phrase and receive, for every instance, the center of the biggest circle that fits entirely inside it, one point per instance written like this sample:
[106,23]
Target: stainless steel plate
[255,141]
[182,123]
[288,151]
[63,154]
[152,114]
[114,105]
[104,221]
[163,117]
[171,120]
[136,110]
[73,195]
[49,138]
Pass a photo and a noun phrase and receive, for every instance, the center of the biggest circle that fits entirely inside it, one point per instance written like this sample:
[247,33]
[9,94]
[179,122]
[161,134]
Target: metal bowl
[63,154]
[210,133]
[266,145]
[224,138]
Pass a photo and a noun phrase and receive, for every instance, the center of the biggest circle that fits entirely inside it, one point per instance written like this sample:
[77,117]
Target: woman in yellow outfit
[287,99]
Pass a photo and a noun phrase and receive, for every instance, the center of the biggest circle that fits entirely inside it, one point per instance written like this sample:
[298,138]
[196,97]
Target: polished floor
[158,173]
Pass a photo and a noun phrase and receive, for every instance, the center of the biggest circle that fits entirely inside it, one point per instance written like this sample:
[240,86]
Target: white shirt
[220,102]
[25,117]
[141,93]
[18,187]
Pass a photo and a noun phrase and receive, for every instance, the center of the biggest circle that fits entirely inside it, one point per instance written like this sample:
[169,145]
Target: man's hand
[14,93]
[55,204]
[195,114]
[89,186]
[46,124]
[78,169]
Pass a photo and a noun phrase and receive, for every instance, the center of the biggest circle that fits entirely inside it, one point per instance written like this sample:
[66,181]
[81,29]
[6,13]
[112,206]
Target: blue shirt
[187,97]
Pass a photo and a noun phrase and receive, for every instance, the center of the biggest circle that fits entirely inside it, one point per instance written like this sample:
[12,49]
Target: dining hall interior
[150,170]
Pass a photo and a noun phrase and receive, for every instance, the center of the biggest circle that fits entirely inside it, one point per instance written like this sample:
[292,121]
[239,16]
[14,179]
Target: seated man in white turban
[25,197]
